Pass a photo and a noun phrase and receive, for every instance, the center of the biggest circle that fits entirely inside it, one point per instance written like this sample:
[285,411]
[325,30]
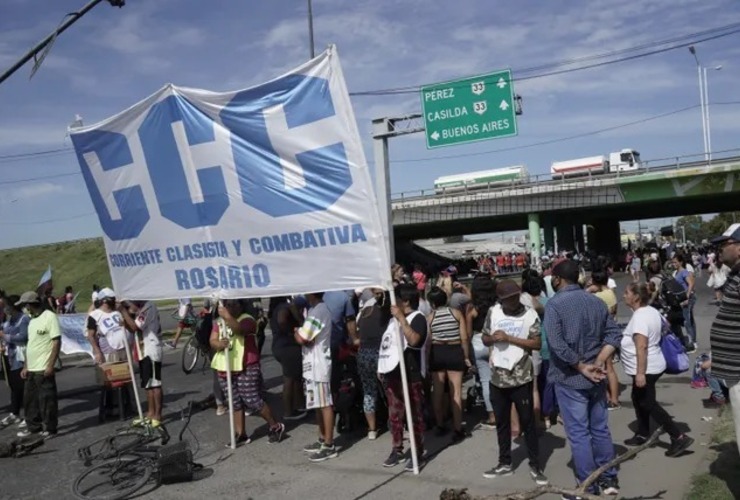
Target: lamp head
[692,49]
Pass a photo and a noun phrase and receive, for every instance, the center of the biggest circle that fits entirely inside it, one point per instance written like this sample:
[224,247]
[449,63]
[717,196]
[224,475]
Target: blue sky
[113,58]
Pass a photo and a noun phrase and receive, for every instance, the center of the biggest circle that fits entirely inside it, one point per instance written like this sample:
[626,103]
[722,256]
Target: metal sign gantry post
[383,129]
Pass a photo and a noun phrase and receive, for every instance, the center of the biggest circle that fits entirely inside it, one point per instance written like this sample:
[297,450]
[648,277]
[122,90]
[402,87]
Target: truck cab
[626,160]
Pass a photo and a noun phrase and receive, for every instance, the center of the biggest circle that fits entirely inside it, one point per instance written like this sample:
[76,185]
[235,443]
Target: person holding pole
[148,334]
[42,350]
[315,338]
[234,338]
[413,327]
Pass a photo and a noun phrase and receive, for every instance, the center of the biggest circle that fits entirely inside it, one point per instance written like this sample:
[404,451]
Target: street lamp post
[699,71]
[704,100]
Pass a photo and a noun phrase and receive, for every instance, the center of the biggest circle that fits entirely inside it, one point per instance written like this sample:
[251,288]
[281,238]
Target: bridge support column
[549,236]
[534,238]
[605,238]
[580,243]
[564,232]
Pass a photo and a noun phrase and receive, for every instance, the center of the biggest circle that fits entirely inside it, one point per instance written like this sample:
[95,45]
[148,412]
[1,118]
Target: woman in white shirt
[643,360]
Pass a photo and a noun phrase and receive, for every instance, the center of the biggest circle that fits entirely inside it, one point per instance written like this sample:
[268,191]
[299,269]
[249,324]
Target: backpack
[676,359]
[673,292]
[203,328]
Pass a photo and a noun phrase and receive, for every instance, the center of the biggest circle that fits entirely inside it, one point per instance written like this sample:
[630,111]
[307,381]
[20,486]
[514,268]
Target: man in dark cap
[513,331]
[725,331]
[42,351]
[582,335]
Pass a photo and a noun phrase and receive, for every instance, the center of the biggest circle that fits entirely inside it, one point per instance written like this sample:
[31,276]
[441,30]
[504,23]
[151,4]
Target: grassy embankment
[722,481]
[79,264]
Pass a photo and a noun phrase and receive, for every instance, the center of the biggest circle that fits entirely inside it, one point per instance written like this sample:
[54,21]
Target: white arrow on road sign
[434,135]
[503,106]
[480,107]
[501,83]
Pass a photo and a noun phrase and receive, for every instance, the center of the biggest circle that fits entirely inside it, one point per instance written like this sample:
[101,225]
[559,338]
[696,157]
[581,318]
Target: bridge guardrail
[654,165]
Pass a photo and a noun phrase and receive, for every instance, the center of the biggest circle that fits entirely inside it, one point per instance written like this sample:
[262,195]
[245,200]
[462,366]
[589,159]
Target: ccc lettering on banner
[264,122]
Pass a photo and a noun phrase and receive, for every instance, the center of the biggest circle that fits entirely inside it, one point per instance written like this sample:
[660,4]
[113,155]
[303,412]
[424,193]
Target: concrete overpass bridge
[564,206]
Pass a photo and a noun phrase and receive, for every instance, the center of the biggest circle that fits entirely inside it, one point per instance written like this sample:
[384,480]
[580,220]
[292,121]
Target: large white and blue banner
[253,193]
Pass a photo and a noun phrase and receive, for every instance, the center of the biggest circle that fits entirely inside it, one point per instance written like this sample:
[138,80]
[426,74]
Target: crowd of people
[541,349]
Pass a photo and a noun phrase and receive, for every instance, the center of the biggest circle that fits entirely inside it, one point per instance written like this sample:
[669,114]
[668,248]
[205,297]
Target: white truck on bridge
[626,160]
[482,179]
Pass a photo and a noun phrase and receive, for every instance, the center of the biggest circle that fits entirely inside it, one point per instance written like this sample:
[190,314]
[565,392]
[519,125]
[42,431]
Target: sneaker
[538,477]
[372,435]
[501,470]
[48,435]
[240,440]
[170,344]
[22,424]
[613,406]
[296,415]
[691,349]
[699,384]
[409,467]
[679,445]
[636,440]
[275,435]
[221,410]
[459,436]
[393,459]
[9,420]
[325,453]
[25,433]
[313,447]
[714,402]
[489,426]
[155,423]
[139,421]
[609,486]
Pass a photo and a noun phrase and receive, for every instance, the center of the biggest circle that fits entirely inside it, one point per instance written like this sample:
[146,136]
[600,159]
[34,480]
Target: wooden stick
[462,494]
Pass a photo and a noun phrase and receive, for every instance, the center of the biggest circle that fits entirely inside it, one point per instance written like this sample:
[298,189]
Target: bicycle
[197,346]
[122,441]
[127,467]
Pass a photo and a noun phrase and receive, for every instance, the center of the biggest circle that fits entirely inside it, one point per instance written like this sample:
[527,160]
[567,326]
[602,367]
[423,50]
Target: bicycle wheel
[190,355]
[114,480]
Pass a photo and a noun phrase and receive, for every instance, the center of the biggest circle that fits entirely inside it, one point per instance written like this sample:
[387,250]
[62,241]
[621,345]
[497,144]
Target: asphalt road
[260,470]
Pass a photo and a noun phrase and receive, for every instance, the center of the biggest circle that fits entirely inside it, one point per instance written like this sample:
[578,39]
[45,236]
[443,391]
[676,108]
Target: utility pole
[69,21]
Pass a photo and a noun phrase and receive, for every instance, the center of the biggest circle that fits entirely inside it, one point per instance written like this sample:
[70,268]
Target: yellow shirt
[608,297]
[42,330]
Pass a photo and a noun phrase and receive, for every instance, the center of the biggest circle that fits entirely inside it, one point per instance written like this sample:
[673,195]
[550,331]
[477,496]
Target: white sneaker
[22,424]
[24,433]
[9,420]
[372,435]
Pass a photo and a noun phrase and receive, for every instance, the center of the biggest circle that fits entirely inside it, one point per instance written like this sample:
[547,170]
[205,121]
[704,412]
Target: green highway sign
[469,110]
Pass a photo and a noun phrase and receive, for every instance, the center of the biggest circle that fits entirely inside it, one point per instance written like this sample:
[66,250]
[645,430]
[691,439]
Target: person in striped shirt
[725,331]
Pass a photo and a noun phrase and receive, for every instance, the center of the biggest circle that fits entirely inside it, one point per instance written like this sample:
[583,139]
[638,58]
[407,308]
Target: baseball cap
[732,233]
[507,288]
[28,298]
[106,293]
[450,270]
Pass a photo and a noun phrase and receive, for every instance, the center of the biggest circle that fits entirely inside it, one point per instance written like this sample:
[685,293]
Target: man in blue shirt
[582,336]
[343,331]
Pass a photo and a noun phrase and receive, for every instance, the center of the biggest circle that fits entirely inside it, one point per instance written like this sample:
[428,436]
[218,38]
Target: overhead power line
[562,139]
[676,43]
[688,39]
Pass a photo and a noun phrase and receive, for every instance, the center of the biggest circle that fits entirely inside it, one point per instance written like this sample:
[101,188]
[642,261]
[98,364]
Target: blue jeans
[484,369]
[587,428]
[688,318]
[716,385]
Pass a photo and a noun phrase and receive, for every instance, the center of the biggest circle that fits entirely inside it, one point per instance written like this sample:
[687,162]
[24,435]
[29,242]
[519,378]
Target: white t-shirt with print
[111,333]
[645,321]
[147,321]
[317,354]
